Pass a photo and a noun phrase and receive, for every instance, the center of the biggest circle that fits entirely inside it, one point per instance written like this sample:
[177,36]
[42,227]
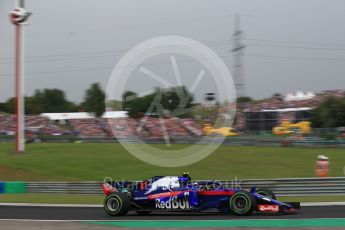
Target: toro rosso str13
[178,193]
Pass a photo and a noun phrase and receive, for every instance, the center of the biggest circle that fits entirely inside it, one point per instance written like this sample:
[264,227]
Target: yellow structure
[224,131]
[286,127]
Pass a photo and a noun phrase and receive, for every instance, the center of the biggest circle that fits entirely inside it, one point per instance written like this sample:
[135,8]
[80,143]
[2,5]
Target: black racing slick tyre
[117,204]
[242,203]
[267,193]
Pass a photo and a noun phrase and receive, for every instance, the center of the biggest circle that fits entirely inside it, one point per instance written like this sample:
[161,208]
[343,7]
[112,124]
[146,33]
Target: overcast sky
[291,44]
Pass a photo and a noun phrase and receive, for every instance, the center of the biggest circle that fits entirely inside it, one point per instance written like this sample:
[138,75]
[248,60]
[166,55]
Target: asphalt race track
[96,213]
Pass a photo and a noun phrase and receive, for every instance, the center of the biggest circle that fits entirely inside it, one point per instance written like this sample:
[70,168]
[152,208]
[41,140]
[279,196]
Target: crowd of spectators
[154,127]
[43,125]
[146,127]
[191,125]
[122,127]
[91,127]
[32,123]
[278,102]
[151,127]
[7,124]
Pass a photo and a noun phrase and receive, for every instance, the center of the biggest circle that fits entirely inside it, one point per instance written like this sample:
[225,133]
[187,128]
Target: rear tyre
[267,193]
[242,203]
[117,204]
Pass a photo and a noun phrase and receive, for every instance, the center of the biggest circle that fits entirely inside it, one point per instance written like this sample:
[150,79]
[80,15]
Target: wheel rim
[240,203]
[113,204]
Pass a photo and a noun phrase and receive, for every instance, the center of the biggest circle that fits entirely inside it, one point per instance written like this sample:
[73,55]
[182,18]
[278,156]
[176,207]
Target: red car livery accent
[268,208]
[107,189]
[165,194]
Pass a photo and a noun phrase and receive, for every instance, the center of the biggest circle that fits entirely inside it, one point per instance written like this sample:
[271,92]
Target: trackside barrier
[14,187]
[233,141]
[299,186]
[2,187]
[65,187]
[282,187]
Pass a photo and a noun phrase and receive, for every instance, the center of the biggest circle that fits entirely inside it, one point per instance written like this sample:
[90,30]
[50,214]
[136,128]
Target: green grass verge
[340,198]
[51,198]
[92,162]
[262,224]
[98,199]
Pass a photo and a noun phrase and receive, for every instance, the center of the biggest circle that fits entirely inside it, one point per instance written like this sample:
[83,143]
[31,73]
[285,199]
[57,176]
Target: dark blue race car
[179,193]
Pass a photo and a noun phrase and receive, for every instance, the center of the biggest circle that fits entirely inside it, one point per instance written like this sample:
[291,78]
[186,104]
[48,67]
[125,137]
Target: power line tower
[237,51]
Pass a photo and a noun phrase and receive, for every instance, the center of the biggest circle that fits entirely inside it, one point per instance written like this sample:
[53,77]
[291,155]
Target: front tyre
[242,203]
[117,204]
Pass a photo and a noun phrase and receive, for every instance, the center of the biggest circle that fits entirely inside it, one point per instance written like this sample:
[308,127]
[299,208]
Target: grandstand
[89,127]
[263,115]
[104,127]
[260,115]
[32,123]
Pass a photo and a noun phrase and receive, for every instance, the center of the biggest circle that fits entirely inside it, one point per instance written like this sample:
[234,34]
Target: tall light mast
[19,17]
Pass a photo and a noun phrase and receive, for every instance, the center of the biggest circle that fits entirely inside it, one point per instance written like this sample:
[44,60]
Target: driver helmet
[186,175]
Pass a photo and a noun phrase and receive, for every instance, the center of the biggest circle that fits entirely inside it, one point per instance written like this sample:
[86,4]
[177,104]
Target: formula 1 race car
[179,193]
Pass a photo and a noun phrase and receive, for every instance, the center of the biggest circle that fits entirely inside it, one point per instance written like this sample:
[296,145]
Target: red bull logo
[268,208]
[173,203]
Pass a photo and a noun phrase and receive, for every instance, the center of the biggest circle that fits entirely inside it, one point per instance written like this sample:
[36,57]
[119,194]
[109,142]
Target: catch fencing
[299,186]
[282,187]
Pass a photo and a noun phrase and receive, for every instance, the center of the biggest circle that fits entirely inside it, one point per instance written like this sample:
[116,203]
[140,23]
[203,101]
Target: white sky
[291,44]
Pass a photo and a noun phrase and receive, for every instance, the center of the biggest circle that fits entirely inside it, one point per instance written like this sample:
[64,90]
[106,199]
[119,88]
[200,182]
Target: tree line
[55,101]
[330,113]
[177,101]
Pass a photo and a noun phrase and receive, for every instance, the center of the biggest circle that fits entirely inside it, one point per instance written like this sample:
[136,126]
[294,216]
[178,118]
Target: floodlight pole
[19,18]
[19,88]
